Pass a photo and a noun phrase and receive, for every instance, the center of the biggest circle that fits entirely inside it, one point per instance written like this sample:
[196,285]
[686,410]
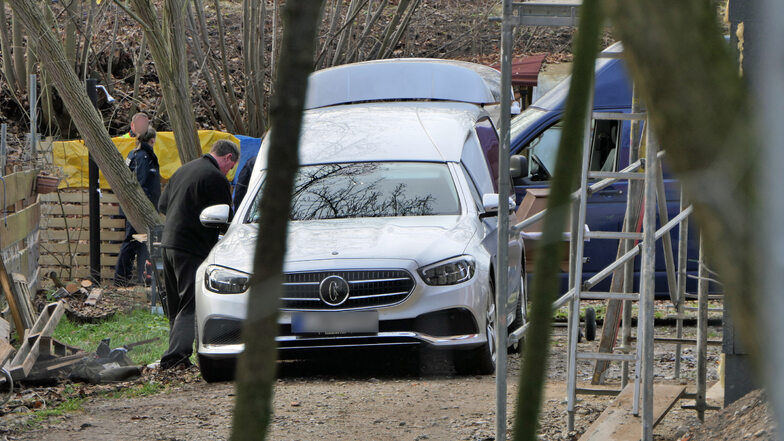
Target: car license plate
[335,322]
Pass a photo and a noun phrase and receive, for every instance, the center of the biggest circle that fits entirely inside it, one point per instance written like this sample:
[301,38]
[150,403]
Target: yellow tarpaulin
[72,155]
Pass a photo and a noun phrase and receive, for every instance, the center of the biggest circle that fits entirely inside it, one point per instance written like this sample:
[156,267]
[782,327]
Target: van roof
[388,131]
[613,89]
[404,79]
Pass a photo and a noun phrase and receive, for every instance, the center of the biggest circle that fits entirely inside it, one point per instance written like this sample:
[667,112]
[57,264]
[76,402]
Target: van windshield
[369,189]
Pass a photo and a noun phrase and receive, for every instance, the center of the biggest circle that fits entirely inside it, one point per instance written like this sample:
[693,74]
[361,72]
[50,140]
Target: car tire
[480,360]
[521,318]
[215,370]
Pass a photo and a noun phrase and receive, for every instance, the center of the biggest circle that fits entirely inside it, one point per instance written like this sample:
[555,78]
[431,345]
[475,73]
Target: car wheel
[480,360]
[521,318]
[217,369]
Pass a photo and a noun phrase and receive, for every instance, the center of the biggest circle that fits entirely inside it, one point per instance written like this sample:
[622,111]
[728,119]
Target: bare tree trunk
[135,203]
[138,69]
[5,48]
[256,370]
[19,60]
[167,46]
[353,55]
[70,31]
[253,60]
[401,29]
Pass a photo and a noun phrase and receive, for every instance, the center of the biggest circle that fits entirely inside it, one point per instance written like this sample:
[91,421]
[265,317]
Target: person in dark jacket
[144,165]
[243,180]
[186,242]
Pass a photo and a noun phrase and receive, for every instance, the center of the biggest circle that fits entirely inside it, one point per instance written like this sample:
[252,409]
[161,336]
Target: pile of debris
[42,359]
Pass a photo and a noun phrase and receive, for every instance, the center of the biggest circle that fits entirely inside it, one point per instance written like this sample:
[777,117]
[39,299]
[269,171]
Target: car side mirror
[215,216]
[518,166]
[490,204]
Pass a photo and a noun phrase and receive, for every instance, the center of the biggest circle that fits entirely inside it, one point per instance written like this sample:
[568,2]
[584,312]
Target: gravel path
[379,396]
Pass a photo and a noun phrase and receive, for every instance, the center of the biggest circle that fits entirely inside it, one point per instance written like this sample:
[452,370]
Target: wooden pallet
[617,423]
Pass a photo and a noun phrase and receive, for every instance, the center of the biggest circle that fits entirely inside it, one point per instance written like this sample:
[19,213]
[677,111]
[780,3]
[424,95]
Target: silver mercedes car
[392,240]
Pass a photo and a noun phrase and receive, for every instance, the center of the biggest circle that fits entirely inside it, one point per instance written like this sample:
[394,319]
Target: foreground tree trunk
[256,369]
[135,204]
[702,116]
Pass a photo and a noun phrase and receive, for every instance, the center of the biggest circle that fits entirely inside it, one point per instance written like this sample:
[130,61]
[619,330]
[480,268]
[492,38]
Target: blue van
[536,132]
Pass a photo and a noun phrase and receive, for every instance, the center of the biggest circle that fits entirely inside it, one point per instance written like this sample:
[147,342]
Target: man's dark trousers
[179,269]
[129,249]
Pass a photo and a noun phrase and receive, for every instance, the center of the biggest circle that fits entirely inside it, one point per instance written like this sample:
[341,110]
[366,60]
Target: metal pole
[683,249]
[502,265]
[578,232]
[3,130]
[769,91]
[33,117]
[93,188]
[647,278]
[628,268]
[702,333]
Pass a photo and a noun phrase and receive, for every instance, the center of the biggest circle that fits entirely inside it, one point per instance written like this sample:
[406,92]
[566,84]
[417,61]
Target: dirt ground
[381,396]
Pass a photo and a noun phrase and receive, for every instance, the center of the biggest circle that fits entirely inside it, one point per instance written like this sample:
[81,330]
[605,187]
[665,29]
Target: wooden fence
[65,233]
[20,215]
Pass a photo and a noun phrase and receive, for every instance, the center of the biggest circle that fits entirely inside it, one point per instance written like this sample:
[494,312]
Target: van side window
[543,150]
[488,139]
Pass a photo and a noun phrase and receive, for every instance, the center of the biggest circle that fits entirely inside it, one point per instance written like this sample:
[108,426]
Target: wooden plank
[83,210]
[18,186]
[78,196]
[79,272]
[59,248]
[24,300]
[5,332]
[6,351]
[19,225]
[8,291]
[617,423]
[52,220]
[94,297]
[55,235]
[43,328]
[80,260]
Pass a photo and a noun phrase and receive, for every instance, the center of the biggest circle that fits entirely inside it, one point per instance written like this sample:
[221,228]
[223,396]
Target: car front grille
[367,289]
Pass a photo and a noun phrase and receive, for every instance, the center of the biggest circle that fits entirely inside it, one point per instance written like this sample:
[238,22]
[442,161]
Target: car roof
[432,131]
[404,79]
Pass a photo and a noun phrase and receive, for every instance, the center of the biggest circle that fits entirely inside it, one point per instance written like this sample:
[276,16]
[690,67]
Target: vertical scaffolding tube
[647,279]
[683,248]
[578,235]
[3,129]
[628,268]
[702,333]
[33,117]
[502,265]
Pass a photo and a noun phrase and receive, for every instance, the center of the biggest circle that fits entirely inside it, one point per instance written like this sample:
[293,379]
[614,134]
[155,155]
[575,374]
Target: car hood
[423,239]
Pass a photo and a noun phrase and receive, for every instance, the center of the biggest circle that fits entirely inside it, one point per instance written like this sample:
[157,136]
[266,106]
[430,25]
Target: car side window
[488,139]
[472,187]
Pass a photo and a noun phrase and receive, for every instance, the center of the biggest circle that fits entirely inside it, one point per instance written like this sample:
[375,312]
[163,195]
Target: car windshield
[369,189]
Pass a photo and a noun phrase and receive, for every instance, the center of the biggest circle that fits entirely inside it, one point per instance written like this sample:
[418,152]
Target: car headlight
[449,272]
[225,281]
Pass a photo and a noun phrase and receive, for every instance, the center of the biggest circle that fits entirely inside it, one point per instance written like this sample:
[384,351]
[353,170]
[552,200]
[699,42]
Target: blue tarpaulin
[249,148]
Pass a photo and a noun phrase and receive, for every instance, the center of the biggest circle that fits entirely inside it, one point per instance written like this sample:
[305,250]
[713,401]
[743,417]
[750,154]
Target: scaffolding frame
[648,170]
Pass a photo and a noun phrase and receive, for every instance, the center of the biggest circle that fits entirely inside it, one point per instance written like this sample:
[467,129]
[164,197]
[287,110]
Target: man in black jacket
[144,165]
[186,242]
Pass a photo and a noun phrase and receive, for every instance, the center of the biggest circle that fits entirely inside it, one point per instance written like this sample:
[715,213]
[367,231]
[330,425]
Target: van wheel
[480,360]
[215,370]
[590,324]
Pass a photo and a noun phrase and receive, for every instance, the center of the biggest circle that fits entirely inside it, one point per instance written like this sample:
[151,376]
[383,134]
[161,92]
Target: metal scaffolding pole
[702,334]
[683,249]
[647,285]
[501,278]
